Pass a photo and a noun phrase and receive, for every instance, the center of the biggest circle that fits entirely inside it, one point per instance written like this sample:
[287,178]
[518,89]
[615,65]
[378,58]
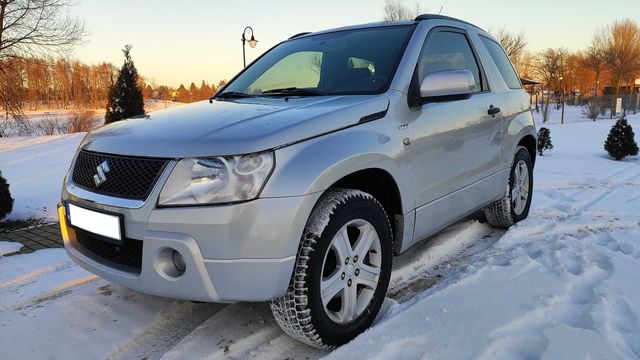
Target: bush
[6,201]
[593,108]
[544,140]
[48,125]
[81,121]
[620,141]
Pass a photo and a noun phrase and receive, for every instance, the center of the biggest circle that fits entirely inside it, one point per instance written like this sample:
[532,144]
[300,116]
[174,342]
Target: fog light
[169,263]
[178,261]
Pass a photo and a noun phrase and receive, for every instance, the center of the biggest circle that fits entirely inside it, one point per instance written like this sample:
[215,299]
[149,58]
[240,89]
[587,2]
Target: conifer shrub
[544,140]
[6,201]
[125,95]
[620,141]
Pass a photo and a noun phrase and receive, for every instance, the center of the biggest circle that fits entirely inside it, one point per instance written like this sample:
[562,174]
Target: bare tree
[396,10]
[524,65]
[30,29]
[595,58]
[549,68]
[623,51]
[315,61]
[514,44]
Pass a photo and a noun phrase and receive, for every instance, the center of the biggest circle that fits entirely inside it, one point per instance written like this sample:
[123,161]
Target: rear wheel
[342,271]
[514,205]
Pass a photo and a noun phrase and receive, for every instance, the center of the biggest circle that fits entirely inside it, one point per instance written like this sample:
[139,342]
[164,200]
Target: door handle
[493,110]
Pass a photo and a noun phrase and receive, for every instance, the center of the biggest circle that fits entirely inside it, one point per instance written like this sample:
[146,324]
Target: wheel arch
[380,184]
[521,131]
[529,142]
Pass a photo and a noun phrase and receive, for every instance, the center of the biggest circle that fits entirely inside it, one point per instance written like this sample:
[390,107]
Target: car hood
[229,127]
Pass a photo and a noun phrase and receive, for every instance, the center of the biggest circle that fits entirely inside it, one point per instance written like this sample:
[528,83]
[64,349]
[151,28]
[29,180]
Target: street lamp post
[252,42]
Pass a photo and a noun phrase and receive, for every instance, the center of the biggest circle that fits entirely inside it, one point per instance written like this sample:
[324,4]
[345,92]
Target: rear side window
[502,61]
[447,50]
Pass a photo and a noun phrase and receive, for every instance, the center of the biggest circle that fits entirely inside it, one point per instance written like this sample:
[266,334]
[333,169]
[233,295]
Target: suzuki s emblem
[101,176]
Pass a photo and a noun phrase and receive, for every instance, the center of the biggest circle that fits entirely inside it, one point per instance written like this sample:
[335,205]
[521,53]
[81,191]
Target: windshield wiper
[291,91]
[234,95]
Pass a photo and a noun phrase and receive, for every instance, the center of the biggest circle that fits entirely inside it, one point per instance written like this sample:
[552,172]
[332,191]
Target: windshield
[360,61]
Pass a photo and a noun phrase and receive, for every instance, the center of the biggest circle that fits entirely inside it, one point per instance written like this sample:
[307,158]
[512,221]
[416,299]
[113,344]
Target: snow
[35,168]
[561,284]
[8,247]
[51,119]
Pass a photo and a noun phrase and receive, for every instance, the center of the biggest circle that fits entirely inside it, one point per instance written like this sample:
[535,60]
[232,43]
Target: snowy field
[54,121]
[562,284]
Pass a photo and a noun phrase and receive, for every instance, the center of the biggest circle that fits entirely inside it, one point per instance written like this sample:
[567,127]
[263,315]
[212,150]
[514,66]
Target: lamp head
[253,42]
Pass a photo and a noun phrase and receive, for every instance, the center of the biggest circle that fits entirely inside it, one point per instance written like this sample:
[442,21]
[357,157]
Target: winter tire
[514,205]
[341,273]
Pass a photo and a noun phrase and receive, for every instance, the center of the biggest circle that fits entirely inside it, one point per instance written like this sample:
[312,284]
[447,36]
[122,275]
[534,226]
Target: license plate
[96,222]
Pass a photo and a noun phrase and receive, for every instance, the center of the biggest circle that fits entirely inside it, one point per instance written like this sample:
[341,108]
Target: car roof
[423,17]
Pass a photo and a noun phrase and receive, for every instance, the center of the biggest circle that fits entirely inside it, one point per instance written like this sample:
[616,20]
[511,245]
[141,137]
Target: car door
[456,143]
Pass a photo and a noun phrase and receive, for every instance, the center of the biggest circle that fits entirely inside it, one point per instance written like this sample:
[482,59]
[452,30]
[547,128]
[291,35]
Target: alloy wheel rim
[350,271]
[520,190]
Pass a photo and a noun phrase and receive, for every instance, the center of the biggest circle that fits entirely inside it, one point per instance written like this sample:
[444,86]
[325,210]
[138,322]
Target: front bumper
[239,252]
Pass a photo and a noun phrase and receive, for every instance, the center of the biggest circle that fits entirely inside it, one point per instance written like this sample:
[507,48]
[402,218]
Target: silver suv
[303,177]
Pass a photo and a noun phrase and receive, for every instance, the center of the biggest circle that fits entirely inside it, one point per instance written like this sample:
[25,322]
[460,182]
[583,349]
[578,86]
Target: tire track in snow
[169,328]
[57,292]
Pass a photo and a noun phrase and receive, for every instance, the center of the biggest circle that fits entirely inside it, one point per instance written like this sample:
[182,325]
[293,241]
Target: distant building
[624,88]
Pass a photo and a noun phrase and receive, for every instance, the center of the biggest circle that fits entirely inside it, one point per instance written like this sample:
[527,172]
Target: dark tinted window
[446,50]
[502,61]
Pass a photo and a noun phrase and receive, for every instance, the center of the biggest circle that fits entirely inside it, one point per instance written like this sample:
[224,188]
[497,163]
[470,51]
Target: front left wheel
[342,271]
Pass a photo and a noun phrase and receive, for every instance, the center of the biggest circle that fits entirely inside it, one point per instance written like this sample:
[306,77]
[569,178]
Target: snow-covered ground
[35,168]
[561,284]
[54,121]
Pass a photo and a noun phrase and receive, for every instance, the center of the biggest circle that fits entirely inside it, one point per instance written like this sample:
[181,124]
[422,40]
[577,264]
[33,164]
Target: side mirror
[447,85]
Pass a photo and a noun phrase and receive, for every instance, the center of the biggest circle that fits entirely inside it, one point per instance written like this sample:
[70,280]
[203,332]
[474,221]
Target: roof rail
[442,17]
[299,34]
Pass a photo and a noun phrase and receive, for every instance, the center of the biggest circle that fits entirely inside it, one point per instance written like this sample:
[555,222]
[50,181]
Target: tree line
[61,84]
[606,69]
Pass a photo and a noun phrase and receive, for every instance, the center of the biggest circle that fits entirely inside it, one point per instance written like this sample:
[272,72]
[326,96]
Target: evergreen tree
[125,96]
[544,140]
[620,141]
[193,92]
[6,201]
[183,94]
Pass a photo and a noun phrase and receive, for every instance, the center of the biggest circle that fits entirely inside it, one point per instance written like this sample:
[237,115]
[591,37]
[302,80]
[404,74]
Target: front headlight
[221,179]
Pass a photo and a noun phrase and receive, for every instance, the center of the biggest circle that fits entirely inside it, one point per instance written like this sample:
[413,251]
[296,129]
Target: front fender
[314,165]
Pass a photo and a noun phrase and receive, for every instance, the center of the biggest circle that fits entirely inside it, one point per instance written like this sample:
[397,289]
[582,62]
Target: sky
[194,40]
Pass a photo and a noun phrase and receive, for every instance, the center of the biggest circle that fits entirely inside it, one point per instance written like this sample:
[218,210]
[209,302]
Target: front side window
[359,61]
[447,50]
[502,62]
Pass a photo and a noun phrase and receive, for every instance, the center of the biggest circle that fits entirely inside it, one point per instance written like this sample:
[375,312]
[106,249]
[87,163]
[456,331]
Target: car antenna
[440,12]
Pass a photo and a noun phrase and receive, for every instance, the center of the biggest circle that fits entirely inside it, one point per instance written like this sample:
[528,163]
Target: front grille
[126,257]
[127,177]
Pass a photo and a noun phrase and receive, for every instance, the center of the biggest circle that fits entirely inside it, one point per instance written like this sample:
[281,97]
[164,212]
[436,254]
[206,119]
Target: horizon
[200,51]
